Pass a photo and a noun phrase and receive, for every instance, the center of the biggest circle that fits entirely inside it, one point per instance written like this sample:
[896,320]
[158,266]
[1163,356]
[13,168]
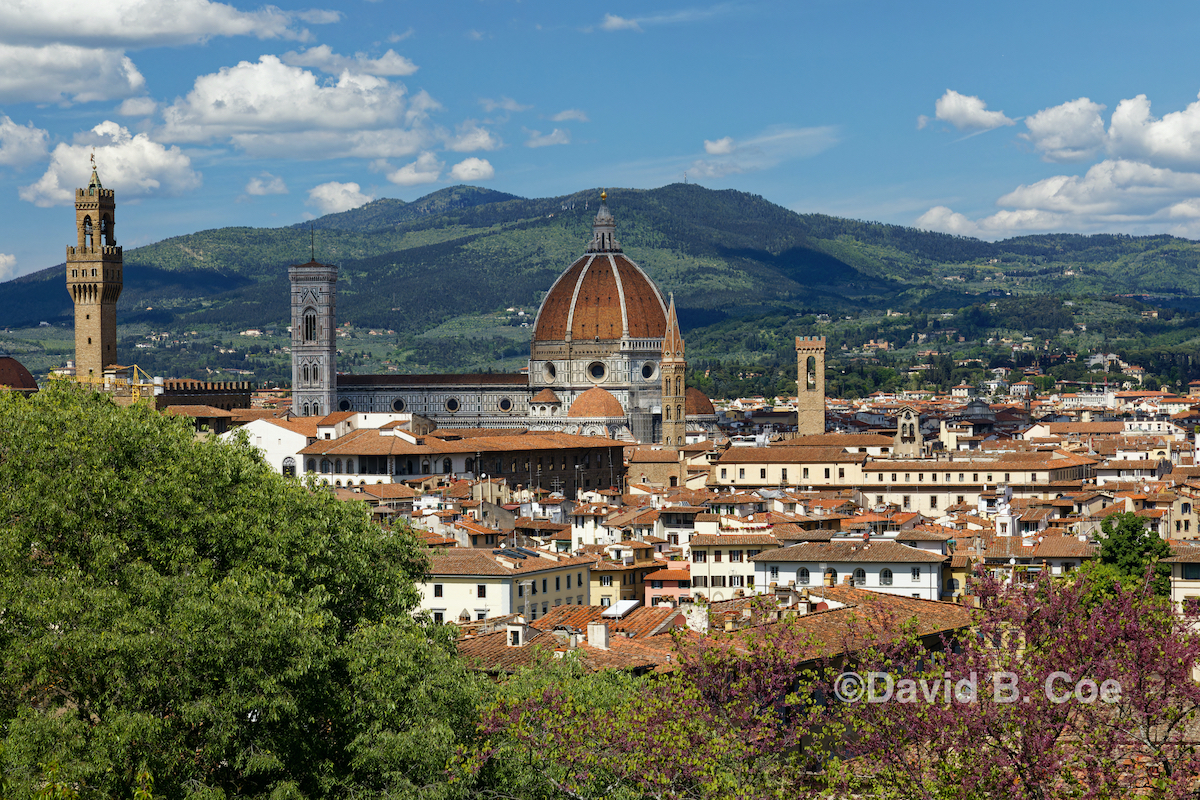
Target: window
[606,580]
[568,581]
[749,581]
[893,477]
[878,499]
[885,577]
[881,477]
[907,504]
[741,473]
[717,556]
[310,327]
[960,477]
[960,499]
[933,502]
[916,573]
[718,581]
[579,580]
[860,577]
[438,617]
[723,472]
[806,473]
[605,602]
[841,472]
[783,475]
[656,584]
[557,584]
[933,477]
[544,583]
[762,474]
[735,555]
[907,477]
[974,477]
[700,581]
[1006,477]
[699,556]
[775,573]
[1191,572]
[735,581]
[827,473]
[831,574]
[437,590]
[802,576]
[481,590]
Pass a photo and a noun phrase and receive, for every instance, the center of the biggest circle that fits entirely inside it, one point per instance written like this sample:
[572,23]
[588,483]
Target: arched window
[667,409]
[311,465]
[810,372]
[408,466]
[316,409]
[447,466]
[860,577]
[289,466]
[306,378]
[87,233]
[885,577]
[424,467]
[679,412]
[337,466]
[952,584]
[678,386]
[310,326]
[349,466]
[106,231]
[326,466]
[802,576]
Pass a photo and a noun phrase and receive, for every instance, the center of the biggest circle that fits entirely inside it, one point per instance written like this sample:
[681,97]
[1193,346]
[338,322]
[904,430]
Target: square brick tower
[810,385]
[94,280]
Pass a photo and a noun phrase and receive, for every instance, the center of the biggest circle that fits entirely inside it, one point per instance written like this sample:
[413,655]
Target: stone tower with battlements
[314,338]
[810,385]
[673,368]
[94,280]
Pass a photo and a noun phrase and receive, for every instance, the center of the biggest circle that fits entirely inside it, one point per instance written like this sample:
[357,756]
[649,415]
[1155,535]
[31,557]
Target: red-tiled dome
[545,396]
[696,404]
[13,375]
[602,295]
[596,402]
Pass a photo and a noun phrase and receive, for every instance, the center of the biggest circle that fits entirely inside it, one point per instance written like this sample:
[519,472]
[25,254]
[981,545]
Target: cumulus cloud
[137,23]
[539,139]
[137,107]
[60,73]
[472,136]
[570,114]
[21,145]
[771,147]
[333,197]
[323,58]
[614,23]
[319,16]
[8,267]
[266,183]
[1171,141]
[1072,131]
[472,169]
[966,112]
[426,169]
[315,145]
[503,104]
[135,166]
[269,97]
[720,147]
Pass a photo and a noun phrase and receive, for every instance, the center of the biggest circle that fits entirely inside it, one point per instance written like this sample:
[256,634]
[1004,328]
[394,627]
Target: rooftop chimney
[597,635]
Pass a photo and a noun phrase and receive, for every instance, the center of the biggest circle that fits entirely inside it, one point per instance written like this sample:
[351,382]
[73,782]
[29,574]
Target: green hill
[463,250]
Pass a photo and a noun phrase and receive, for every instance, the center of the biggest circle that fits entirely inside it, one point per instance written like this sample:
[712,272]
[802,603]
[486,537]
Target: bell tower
[94,280]
[673,368]
[314,338]
[810,385]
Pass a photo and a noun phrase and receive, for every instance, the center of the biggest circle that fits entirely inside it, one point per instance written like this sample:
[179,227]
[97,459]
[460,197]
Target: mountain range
[466,250]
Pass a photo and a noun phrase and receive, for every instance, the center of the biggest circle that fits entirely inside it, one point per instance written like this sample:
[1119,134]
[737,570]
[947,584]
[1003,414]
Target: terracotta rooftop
[601,296]
[596,402]
[697,404]
[14,375]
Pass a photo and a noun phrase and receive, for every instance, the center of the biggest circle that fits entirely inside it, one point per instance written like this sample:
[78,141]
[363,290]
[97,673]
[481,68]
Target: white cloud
[270,96]
[966,112]
[59,73]
[135,166]
[475,36]
[400,37]
[472,136]
[556,136]
[1172,141]
[503,104]
[333,197]
[426,169]
[316,145]
[569,115]
[1069,132]
[137,23]
[771,147]
[21,145]
[614,23]
[720,147]
[266,183]
[319,16]
[323,58]
[472,169]
[8,267]
[539,139]
[137,107]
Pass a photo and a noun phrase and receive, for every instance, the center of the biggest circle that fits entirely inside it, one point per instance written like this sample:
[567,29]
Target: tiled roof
[790,455]
[591,301]
[484,562]
[596,402]
[1065,547]
[198,411]
[732,540]
[546,395]
[866,552]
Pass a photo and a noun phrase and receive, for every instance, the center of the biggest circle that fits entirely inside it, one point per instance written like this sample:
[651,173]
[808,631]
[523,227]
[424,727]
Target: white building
[880,566]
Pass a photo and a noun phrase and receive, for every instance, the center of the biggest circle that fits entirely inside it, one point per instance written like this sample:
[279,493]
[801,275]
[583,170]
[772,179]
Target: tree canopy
[173,607]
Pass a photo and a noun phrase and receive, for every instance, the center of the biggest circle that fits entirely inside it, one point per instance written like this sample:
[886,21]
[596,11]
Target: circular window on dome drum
[648,371]
[344,405]
[452,405]
[505,404]
[550,372]
[398,405]
[597,371]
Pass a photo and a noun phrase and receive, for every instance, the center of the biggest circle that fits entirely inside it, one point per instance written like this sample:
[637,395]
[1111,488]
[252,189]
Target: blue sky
[989,120]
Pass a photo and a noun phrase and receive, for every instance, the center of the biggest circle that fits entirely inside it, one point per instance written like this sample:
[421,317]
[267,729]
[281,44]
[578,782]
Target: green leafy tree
[175,612]
[1127,552]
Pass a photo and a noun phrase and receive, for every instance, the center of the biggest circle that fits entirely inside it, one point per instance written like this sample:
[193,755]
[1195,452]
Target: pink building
[667,586]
